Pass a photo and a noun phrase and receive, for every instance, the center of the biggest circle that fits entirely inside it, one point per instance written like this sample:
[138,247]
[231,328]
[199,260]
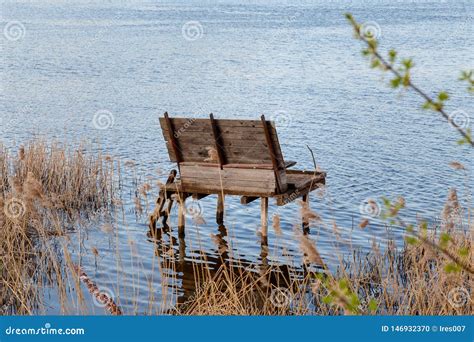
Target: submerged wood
[101,297]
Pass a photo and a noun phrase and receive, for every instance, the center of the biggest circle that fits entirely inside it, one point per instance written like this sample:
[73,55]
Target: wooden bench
[229,157]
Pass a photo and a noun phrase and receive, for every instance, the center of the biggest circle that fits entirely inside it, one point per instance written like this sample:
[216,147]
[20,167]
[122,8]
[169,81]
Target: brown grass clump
[42,190]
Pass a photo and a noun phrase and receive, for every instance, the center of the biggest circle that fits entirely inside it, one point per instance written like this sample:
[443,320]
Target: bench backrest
[237,155]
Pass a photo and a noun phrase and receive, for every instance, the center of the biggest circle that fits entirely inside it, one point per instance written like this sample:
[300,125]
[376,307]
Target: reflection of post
[181,218]
[223,248]
[182,250]
[305,216]
[220,209]
[264,215]
[264,250]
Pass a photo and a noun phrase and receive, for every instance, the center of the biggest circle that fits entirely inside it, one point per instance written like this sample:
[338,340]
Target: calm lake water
[298,65]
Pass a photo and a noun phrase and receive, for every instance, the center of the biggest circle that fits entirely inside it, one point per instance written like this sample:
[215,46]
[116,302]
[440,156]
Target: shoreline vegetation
[47,189]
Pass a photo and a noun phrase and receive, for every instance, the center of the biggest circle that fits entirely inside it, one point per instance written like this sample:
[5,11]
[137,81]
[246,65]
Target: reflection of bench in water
[194,269]
[229,157]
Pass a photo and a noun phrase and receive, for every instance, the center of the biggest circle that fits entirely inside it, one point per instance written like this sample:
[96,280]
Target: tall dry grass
[410,281]
[44,188]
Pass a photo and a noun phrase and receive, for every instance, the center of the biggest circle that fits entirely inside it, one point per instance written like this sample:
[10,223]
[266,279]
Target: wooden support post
[305,219]
[247,199]
[160,201]
[220,209]
[264,215]
[217,141]
[181,218]
[167,212]
[271,150]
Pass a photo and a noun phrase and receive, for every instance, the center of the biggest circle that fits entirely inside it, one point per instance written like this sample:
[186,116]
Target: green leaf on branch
[443,96]
[407,63]
[375,63]
[466,140]
[395,83]
[406,79]
[392,55]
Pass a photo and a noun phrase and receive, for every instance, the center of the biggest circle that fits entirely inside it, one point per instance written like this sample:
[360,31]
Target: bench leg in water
[160,202]
[167,212]
[181,218]
[220,209]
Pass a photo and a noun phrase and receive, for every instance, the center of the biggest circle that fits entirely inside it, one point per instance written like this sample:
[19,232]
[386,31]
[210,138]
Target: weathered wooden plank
[236,192]
[227,139]
[231,189]
[227,183]
[237,155]
[237,174]
[204,122]
[300,183]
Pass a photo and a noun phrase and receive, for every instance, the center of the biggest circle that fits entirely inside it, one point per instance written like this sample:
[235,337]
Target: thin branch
[410,84]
